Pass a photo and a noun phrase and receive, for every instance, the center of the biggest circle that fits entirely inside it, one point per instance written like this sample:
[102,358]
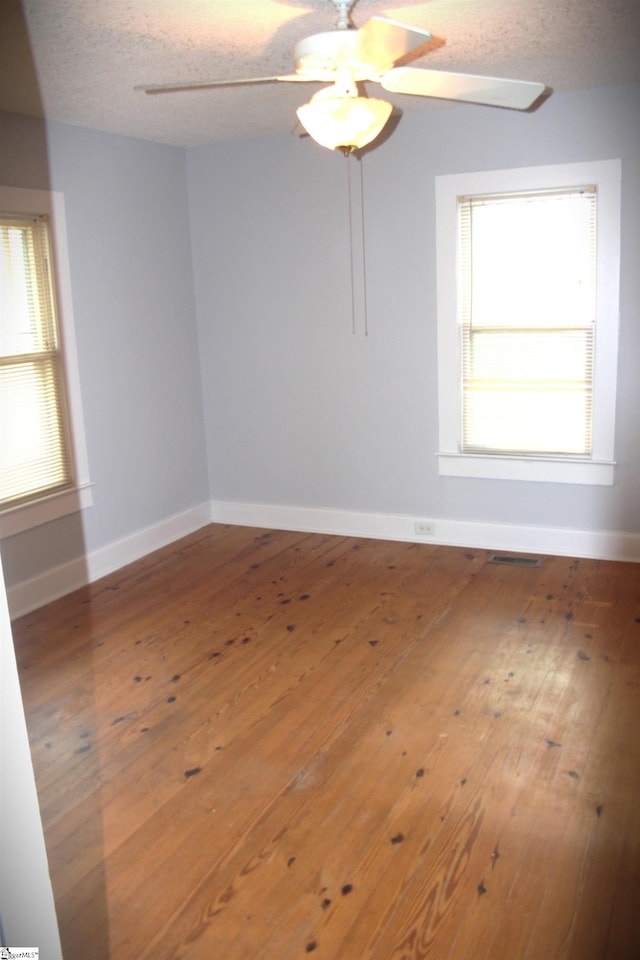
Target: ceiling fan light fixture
[341,122]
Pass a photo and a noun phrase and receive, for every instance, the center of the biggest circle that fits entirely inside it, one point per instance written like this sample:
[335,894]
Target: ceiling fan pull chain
[363,259]
[353,295]
[364,251]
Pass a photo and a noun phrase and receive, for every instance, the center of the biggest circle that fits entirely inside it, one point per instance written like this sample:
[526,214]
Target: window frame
[15,518]
[598,467]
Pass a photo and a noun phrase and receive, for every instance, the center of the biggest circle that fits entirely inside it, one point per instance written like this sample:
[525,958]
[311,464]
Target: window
[35,458]
[43,468]
[528,264]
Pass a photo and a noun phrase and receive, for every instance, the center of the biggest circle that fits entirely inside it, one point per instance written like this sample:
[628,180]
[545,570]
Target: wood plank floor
[265,745]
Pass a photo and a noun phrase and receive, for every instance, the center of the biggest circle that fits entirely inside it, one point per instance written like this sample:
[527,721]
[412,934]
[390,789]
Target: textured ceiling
[78,61]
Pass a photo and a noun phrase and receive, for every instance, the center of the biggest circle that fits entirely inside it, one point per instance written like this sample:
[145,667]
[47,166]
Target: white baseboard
[56,582]
[595,544]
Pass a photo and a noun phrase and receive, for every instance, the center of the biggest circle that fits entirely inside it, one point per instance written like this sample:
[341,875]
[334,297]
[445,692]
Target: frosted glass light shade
[343,122]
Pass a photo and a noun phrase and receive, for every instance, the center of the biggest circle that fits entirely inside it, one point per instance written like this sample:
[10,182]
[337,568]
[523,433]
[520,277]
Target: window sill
[23,517]
[535,469]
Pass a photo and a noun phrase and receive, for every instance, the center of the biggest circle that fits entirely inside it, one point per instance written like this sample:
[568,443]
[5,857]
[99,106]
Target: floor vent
[515,561]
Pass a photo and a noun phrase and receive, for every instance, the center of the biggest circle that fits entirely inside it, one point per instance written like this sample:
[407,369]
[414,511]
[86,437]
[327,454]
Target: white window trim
[15,519]
[599,467]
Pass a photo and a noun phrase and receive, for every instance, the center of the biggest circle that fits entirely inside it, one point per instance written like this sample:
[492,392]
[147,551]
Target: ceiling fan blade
[209,84]
[492,91]
[381,42]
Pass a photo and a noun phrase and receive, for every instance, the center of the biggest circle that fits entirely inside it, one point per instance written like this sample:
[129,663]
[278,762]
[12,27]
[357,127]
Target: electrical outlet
[425,528]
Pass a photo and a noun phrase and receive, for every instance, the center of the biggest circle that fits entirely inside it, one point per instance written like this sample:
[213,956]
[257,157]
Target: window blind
[527,275]
[34,456]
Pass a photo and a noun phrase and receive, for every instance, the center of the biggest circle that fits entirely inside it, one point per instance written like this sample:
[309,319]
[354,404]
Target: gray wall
[298,410]
[132,286]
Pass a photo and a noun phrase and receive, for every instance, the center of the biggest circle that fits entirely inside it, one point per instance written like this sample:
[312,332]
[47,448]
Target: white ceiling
[78,61]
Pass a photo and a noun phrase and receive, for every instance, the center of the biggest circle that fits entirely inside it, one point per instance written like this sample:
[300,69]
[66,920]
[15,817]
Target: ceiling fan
[338,116]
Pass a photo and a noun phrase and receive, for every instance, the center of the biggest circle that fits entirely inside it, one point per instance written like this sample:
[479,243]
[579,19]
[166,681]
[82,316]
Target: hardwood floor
[265,745]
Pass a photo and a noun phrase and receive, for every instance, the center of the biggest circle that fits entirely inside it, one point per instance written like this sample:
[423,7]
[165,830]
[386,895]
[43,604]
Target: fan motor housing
[320,55]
